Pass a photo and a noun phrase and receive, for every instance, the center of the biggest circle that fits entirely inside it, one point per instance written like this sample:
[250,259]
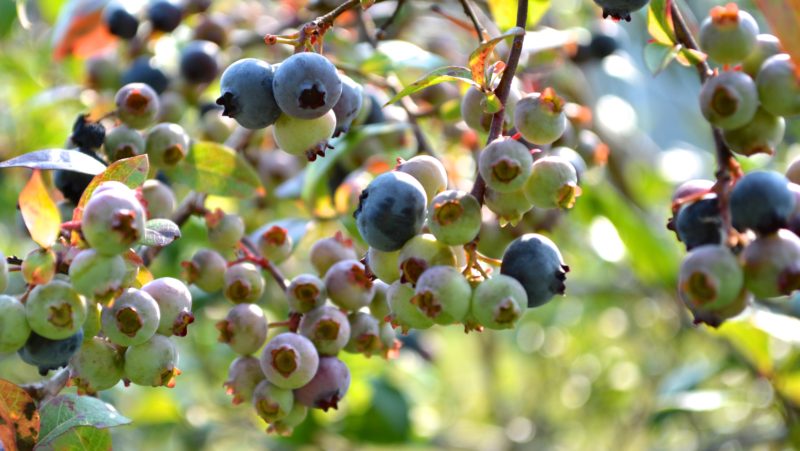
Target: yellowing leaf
[477,60]
[39,211]
[130,171]
[659,23]
[504,12]
[19,419]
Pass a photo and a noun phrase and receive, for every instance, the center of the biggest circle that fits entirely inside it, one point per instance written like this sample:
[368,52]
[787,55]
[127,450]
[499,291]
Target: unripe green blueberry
[305,293]
[422,252]
[289,360]
[285,426]
[443,294]
[14,328]
[716,317]
[175,304]
[307,137]
[137,105]
[540,117]
[113,221]
[123,142]
[384,265]
[327,251]
[328,387]
[379,307]
[244,329]
[454,217]
[348,285]
[505,164]
[509,207]
[573,157]
[553,183]
[728,35]
[93,324]
[473,107]
[499,302]
[779,86]
[327,327]
[761,135]
[98,365]
[244,375]
[39,266]
[772,265]
[365,334]
[95,275]
[766,46]
[55,310]
[167,144]
[428,171]
[271,402]
[132,318]
[275,244]
[729,100]
[153,363]
[711,278]
[173,107]
[405,314]
[224,230]
[160,199]
[207,270]
[243,283]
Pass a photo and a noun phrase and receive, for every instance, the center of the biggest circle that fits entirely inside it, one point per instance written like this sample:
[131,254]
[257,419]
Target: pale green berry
[55,310]
[153,363]
[14,328]
[95,275]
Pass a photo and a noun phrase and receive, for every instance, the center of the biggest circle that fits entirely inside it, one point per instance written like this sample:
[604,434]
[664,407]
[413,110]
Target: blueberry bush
[340,224]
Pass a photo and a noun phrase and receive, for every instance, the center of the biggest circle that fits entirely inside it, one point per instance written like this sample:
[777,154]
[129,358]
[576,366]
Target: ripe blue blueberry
[271,402]
[46,354]
[536,263]
[620,9]
[443,294]
[206,270]
[120,21]
[700,223]
[143,70]
[247,97]
[164,15]
[306,85]
[305,293]
[349,104]
[123,142]
[761,201]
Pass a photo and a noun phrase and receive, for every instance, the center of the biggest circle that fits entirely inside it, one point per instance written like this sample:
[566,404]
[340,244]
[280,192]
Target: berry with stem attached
[243,283]
[244,329]
[206,270]
[305,293]
[499,302]
[271,402]
[348,285]
[728,35]
[540,117]
[505,164]
[454,217]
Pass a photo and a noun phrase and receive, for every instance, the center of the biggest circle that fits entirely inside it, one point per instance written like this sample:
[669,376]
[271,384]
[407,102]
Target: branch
[381,33]
[43,390]
[479,188]
[482,33]
[265,263]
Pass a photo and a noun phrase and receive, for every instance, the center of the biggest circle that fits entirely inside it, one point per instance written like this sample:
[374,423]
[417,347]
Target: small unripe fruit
[365,334]
[132,318]
[505,164]
[711,278]
[271,402]
[199,61]
[175,304]
[454,217]
[224,230]
[160,199]
[307,137]
[14,328]
[327,251]
[384,265]
[553,183]
[55,311]
[728,35]
[772,265]
[348,285]
[428,171]
[540,117]
[535,261]
[244,283]
[729,100]
[244,329]
[761,135]
[443,294]
[379,307]
[509,207]
[289,360]
[123,142]
[113,221]
[405,314]
[305,293]
[153,363]
[422,252]
[327,327]
[499,302]
[137,105]
[779,86]
[206,270]
[96,276]
[97,366]
[39,266]
[167,144]
[766,46]
[328,387]
[244,375]
[275,244]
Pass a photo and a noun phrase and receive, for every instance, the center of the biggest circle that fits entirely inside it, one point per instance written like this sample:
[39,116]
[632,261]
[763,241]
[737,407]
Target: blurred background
[615,364]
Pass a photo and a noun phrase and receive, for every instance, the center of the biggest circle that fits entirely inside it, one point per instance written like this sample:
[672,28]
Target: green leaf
[82,438]
[750,342]
[657,56]
[440,75]
[130,171]
[70,160]
[504,12]
[68,411]
[160,232]
[491,104]
[408,61]
[477,60]
[19,419]
[219,170]
[659,22]
[690,57]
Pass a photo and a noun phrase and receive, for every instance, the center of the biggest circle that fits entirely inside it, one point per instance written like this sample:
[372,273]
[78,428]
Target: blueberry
[72,184]
[328,387]
[761,201]
[164,15]
[391,210]
[536,263]
[348,285]
[540,117]
[244,375]
[120,21]
[700,223]
[14,328]
[305,293]
[349,104]
[308,137]
[772,265]
[779,86]
[575,159]
[47,354]
[472,107]
[175,304]
[212,27]
[142,70]
[167,144]
[767,45]
[113,221]
[761,135]
[729,100]
[247,96]
[243,283]
[620,9]
[306,85]
[509,207]
[39,266]
[327,327]
[132,318]
[405,314]
[86,134]
[95,275]
[123,142]
[327,251]
[275,244]
[102,73]
[98,365]
[505,164]
[379,307]
[137,105]
[422,252]
[224,230]
[152,363]
[384,265]
[499,302]
[428,171]
[55,311]
[159,199]
[728,35]
[244,329]
[553,183]
[271,402]
[443,294]
[365,334]
[294,418]
[289,360]
[206,270]
[711,279]
[200,62]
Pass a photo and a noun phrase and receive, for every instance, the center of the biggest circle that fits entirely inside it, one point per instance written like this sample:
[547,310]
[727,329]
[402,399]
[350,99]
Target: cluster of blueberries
[760,255]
